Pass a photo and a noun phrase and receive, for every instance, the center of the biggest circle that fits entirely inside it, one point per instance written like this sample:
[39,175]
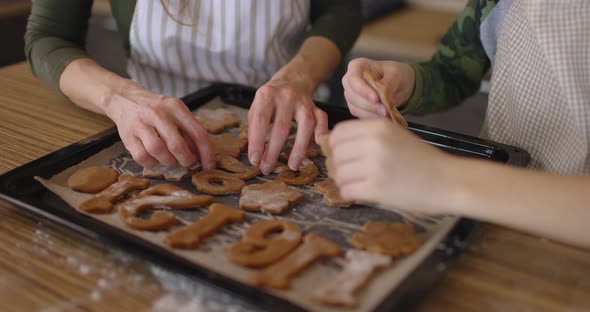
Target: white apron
[540,96]
[237,41]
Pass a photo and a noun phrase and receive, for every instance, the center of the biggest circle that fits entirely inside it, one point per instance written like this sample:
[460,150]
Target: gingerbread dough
[226,144]
[313,149]
[307,172]
[216,120]
[217,182]
[340,290]
[331,192]
[92,179]
[174,174]
[161,195]
[279,274]
[397,239]
[385,97]
[190,236]
[257,249]
[235,166]
[272,197]
[103,201]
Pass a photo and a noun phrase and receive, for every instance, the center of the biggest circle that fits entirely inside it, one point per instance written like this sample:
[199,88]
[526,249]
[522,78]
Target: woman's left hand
[278,102]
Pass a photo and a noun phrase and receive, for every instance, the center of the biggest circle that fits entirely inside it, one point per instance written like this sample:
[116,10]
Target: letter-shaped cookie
[226,144]
[341,289]
[190,236]
[92,179]
[103,201]
[258,250]
[395,239]
[216,120]
[272,197]
[279,274]
[235,166]
[331,193]
[307,172]
[217,182]
[385,97]
[161,195]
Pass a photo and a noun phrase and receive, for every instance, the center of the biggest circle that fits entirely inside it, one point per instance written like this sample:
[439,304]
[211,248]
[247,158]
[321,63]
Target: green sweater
[56,30]
[458,66]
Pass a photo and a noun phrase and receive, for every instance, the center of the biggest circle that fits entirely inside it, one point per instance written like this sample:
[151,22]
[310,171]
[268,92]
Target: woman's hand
[379,162]
[157,129]
[363,101]
[154,128]
[279,102]
[287,97]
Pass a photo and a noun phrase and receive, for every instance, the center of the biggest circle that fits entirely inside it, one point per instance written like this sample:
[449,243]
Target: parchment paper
[311,214]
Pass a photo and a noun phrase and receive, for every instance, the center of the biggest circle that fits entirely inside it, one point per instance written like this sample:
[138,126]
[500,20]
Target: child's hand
[363,101]
[377,161]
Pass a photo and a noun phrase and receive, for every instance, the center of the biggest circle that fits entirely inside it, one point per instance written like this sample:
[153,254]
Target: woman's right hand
[157,129]
[363,101]
[154,128]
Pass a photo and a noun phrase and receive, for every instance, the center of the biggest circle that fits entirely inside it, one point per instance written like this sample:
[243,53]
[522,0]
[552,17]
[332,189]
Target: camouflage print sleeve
[456,69]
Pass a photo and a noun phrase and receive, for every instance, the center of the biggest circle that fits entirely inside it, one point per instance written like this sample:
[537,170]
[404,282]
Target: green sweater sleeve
[337,20]
[456,69]
[55,36]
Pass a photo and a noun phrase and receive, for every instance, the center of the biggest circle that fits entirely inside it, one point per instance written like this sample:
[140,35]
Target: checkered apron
[540,96]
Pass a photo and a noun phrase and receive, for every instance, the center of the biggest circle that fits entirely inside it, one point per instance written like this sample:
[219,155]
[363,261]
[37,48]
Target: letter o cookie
[206,182]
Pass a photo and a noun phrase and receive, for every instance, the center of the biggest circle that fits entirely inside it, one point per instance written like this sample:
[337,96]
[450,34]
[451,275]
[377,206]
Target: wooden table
[46,266]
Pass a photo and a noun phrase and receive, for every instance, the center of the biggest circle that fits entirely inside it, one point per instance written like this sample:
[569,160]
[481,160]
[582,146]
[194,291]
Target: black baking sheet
[19,187]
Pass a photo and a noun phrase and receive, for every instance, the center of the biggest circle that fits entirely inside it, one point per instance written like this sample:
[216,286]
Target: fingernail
[383,111]
[265,168]
[255,159]
[294,164]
